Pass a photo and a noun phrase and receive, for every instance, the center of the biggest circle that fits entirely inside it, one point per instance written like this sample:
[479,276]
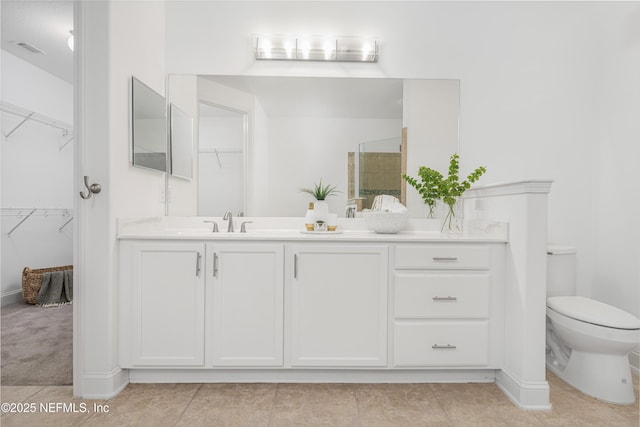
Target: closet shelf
[25,213]
[27,115]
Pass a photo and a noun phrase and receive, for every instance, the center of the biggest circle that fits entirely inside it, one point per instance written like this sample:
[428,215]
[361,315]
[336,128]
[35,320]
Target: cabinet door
[246,304]
[162,296]
[338,305]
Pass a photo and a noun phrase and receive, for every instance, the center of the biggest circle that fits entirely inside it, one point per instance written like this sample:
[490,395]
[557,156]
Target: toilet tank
[561,271]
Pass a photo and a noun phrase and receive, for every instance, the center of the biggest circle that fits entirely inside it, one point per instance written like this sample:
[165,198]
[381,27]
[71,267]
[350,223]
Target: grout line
[273,405]
[188,404]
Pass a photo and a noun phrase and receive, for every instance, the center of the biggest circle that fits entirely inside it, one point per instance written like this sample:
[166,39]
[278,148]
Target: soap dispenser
[310,218]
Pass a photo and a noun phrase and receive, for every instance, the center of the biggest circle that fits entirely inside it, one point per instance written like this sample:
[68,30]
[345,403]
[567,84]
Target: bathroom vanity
[277,304]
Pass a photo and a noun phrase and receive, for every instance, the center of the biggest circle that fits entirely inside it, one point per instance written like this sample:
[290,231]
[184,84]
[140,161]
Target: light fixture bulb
[70,41]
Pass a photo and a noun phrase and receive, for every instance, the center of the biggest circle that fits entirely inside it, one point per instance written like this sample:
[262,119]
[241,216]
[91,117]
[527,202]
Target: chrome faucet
[229,216]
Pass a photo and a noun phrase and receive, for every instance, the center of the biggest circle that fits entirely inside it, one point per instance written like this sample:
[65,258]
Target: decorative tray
[321,232]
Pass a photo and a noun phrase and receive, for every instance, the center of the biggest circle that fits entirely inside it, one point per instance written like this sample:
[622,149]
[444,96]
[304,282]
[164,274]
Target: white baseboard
[100,385]
[310,376]
[526,395]
[634,361]
[11,297]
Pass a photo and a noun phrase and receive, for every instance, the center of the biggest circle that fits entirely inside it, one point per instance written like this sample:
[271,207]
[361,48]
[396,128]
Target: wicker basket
[32,279]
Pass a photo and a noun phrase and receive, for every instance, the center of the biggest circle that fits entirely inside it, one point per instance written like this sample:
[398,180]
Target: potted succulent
[434,188]
[320,193]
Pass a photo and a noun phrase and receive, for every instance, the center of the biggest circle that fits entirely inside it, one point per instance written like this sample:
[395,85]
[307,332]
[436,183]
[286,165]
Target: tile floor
[311,405]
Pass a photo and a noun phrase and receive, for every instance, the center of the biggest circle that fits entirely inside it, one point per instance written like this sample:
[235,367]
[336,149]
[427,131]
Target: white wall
[36,173]
[616,209]
[115,41]
[534,100]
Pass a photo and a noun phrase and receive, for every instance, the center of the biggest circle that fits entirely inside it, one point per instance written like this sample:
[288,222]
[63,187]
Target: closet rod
[20,223]
[36,117]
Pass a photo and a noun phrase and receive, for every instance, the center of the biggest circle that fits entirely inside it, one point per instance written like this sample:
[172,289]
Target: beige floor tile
[154,405]
[18,393]
[230,405]
[315,405]
[573,408]
[480,405]
[51,406]
[396,405]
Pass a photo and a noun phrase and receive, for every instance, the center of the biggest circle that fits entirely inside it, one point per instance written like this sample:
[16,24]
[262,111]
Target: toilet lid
[595,312]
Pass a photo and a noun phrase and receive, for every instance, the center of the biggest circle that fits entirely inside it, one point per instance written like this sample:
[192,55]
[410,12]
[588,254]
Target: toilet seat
[595,312]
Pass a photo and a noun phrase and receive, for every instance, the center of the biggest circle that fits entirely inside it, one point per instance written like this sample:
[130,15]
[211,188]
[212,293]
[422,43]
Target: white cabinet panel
[441,295]
[442,256]
[245,318]
[339,305]
[441,343]
[162,304]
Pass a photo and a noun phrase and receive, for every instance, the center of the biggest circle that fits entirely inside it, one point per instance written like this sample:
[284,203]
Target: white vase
[321,210]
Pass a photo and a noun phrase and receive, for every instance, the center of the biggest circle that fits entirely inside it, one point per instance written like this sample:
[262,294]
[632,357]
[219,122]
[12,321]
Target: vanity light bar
[316,48]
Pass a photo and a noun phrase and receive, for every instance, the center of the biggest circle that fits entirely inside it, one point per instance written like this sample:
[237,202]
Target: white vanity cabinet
[337,304]
[447,305]
[162,304]
[245,304]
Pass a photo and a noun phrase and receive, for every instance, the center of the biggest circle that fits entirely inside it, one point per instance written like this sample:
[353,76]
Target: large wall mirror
[148,127]
[300,130]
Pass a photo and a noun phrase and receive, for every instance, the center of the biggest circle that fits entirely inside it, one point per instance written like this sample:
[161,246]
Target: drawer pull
[445,259]
[443,347]
[445,299]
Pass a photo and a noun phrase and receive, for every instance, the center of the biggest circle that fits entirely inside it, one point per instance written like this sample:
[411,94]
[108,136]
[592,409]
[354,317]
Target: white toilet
[588,342]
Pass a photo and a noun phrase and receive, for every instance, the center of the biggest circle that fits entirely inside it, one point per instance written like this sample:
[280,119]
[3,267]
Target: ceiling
[44,25]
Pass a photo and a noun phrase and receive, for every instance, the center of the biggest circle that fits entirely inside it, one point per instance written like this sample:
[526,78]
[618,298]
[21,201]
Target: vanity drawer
[463,343]
[442,256]
[441,295]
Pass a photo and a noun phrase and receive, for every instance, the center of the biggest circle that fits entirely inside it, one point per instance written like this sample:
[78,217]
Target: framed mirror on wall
[148,127]
[300,130]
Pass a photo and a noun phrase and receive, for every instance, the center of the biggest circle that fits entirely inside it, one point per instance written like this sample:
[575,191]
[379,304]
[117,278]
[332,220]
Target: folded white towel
[397,208]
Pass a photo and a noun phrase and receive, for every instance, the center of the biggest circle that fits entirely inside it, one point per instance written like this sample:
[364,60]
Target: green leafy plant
[321,192]
[428,186]
[433,186]
[451,189]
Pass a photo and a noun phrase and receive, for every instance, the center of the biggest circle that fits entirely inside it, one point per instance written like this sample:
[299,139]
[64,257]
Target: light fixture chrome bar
[316,48]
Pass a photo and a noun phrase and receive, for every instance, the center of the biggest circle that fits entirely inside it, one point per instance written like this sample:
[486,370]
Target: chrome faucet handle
[215,226]
[240,213]
[243,228]
[229,216]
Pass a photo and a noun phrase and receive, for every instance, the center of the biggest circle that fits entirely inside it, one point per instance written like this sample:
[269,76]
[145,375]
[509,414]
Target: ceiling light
[70,40]
[315,48]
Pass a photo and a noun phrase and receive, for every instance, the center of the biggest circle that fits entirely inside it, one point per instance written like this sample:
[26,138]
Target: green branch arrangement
[321,192]
[432,186]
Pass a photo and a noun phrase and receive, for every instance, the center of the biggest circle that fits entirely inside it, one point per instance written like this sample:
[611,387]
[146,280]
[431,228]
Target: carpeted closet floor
[36,345]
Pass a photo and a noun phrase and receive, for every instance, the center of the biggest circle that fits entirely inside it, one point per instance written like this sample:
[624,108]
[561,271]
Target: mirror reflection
[221,160]
[376,169]
[148,127]
[300,130]
[181,141]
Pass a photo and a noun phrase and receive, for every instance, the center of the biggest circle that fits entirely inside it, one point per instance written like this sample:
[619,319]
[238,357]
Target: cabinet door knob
[443,347]
[436,298]
[445,259]
[198,260]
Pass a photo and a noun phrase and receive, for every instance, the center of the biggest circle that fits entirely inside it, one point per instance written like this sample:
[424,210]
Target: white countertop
[292,229]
